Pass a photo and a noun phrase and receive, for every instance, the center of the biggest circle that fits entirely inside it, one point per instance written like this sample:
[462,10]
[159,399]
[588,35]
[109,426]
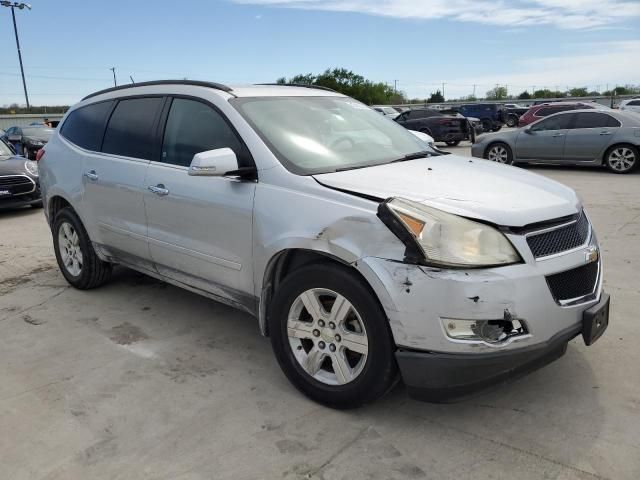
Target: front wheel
[331,337]
[499,152]
[512,121]
[453,143]
[622,159]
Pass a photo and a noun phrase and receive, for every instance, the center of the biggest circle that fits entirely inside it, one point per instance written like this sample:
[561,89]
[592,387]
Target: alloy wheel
[327,336]
[498,153]
[622,159]
[69,246]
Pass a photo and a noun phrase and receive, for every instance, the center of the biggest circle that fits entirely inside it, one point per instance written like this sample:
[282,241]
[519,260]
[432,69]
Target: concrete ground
[139,379]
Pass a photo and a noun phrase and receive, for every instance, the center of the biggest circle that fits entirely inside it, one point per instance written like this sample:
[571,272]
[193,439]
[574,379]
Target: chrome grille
[560,239]
[575,283]
[17,184]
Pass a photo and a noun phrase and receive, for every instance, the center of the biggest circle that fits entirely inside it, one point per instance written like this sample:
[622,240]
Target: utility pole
[395,86]
[113,69]
[474,90]
[21,6]
[443,84]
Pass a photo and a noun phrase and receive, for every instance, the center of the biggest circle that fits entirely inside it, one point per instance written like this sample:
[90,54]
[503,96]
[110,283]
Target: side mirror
[15,138]
[213,163]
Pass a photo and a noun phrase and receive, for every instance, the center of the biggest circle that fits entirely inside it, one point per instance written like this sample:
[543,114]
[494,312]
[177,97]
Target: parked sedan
[19,183]
[451,129]
[630,105]
[578,137]
[386,110]
[28,140]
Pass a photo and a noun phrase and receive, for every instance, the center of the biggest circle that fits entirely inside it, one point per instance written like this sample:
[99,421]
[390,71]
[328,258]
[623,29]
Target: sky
[69,46]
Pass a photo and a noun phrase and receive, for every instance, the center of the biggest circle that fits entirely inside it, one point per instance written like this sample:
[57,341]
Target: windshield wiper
[413,156]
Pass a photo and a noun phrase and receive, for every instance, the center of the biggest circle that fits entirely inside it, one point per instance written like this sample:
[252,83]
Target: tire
[497,128]
[83,271]
[512,121]
[453,143]
[361,377]
[622,158]
[487,125]
[499,152]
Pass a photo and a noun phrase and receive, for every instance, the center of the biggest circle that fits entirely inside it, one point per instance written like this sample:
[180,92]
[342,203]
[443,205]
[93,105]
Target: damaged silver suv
[365,255]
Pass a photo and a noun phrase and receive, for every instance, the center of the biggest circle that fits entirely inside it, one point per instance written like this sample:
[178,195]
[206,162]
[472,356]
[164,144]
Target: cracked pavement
[139,379]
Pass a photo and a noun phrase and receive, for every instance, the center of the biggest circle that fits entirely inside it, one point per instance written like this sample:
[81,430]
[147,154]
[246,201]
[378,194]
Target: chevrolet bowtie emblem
[591,255]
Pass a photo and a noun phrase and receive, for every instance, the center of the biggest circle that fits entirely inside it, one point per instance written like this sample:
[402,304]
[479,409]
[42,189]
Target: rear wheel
[499,152]
[622,158]
[487,125]
[453,143]
[76,257]
[497,128]
[512,121]
[331,337]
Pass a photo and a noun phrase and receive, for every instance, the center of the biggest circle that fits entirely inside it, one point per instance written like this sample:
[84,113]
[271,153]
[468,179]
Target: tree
[578,92]
[497,93]
[524,96]
[436,97]
[351,84]
[546,93]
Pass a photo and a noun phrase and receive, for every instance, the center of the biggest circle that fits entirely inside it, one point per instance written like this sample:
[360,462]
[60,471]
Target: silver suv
[365,255]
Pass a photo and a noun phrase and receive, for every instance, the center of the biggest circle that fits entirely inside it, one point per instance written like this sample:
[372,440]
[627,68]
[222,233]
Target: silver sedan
[577,137]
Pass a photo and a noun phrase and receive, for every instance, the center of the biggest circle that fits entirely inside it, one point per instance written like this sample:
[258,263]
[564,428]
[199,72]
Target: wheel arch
[289,260]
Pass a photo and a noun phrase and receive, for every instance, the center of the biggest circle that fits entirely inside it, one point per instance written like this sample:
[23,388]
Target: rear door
[590,136]
[199,227]
[545,139]
[114,178]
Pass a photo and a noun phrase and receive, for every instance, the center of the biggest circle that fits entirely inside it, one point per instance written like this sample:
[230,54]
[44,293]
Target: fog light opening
[485,331]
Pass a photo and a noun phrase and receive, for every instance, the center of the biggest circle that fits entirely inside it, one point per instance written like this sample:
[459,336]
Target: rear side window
[595,120]
[130,131]
[84,127]
[635,103]
[546,111]
[194,127]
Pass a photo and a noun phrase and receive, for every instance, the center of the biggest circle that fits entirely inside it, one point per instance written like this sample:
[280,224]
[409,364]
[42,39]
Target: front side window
[130,129]
[194,127]
[324,134]
[84,127]
[557,122]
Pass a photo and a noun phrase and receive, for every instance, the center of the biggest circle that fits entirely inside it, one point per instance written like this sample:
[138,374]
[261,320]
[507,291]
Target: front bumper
[445,377]
[477,149]
[420,300]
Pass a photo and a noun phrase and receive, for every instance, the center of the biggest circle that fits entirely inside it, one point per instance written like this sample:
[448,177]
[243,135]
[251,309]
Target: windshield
[39,133]
[325,134]
[5,151]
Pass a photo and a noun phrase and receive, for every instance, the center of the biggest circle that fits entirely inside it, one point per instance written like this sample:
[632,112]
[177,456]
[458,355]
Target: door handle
[558,135]
[158,190]
[91,175]
[605,133]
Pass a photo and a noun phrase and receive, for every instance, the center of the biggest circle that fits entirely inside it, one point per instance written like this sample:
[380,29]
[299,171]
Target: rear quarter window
[84,127]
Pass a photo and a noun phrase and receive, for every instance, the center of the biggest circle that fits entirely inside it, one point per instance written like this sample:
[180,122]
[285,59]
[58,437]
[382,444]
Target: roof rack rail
[197,83]
[304,85]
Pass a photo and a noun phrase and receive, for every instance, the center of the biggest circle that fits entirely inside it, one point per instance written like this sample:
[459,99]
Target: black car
[451,129]
[28,140]
[19,184]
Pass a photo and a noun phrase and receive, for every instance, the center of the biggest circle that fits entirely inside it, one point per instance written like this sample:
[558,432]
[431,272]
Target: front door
[544,140]
[200,228]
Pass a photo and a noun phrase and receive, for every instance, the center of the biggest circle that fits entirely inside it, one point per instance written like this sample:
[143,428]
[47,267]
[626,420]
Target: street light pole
[21,6]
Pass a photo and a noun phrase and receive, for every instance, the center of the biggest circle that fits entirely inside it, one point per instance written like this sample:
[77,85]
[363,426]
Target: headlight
[31,167]
[444,239]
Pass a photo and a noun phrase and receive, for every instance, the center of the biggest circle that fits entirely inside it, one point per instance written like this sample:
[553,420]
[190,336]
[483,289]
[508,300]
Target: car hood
[12,166]
[473,188]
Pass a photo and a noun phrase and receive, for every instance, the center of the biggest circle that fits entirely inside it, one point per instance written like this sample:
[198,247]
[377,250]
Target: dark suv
[537,112]
[492,116]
